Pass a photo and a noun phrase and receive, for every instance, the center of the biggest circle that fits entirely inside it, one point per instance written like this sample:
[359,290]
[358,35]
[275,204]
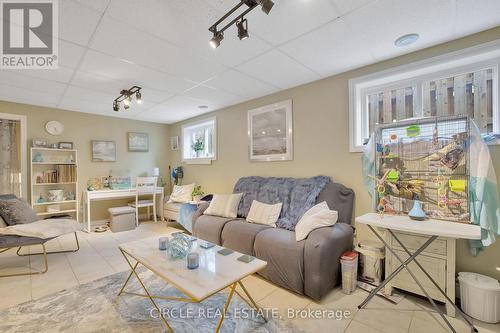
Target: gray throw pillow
[17,211]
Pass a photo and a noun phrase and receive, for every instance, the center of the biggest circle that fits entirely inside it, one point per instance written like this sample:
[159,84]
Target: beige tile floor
[99,256]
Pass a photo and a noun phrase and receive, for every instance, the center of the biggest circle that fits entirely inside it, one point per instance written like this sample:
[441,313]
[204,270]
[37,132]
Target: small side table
[431,230]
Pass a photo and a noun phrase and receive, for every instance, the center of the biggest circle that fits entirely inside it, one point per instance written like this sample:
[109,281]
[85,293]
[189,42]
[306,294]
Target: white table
[215,273]
[431,228]
[90,196]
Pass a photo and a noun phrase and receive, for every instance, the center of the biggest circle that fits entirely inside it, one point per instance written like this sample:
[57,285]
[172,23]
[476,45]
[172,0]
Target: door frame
[24,149]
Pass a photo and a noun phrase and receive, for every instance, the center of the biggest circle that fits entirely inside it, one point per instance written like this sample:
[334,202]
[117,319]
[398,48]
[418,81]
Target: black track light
[126,97]
[138,97]
[266,5]
[242,29]
[215,41]
[116,106]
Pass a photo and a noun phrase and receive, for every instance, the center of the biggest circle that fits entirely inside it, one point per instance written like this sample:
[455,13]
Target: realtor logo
[29,34]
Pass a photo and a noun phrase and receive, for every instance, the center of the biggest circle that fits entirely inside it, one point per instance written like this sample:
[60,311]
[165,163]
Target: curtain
[10,157]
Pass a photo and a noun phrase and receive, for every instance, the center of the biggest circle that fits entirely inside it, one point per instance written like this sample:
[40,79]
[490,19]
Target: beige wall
[81,128]
[320,124]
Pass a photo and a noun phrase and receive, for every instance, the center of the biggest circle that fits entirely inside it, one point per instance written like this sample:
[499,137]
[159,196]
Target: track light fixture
[216,39]
[126,98]
[266,5]
[242,29]
[240,21]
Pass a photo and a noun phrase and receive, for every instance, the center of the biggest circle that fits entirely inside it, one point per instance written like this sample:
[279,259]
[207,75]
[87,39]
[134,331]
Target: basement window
[463,83]
[199,142]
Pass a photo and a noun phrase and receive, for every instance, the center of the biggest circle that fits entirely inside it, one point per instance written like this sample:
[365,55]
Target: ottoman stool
[121,218]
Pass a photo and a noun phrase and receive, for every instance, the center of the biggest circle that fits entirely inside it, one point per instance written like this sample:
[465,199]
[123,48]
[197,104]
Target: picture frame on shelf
[138,142]
[65,145]
[39,143]
[103,151]
[270,132]
[174,143]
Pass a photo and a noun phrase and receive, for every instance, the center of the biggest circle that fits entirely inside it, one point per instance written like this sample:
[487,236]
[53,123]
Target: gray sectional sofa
[310,267]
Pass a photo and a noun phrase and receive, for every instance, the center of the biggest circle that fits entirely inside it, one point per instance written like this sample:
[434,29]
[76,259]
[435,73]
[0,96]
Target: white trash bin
[371,261]
[480,296]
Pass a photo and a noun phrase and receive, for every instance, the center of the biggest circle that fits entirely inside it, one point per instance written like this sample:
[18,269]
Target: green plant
[197,191]
[198,145]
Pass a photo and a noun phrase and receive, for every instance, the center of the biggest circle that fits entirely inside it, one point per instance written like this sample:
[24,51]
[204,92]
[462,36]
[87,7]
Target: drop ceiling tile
[213,97]
[472,16]
[176,109]
[104,109]
[113,87]
[121,70]
[290,19]
[61,74]
[330,49]
[241,84]
[18,80]
[77,22]
[278,69]
[22,95]
[121,40]
[346,6]
[380,23]
[99,5]
[70,54]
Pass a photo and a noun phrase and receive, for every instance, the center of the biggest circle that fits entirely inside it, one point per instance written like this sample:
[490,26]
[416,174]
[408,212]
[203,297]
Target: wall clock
[54,127]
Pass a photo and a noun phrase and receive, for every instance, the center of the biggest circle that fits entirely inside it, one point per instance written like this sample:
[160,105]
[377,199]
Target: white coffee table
[215,273]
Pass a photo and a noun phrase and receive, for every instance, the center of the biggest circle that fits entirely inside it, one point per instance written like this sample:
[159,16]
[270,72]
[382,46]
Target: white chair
[144,186]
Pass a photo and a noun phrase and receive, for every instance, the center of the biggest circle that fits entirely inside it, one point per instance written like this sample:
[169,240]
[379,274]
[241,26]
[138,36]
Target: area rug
[95,308]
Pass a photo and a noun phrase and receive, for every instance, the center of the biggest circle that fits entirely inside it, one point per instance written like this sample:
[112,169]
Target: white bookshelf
[54,169]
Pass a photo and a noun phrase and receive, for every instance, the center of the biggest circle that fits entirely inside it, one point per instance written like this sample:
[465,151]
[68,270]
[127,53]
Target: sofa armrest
[322,251]
[202,206]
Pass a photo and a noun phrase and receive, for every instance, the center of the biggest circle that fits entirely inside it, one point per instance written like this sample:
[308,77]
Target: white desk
[431,228]
[112,195]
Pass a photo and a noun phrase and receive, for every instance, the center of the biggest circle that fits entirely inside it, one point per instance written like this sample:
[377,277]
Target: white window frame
[451,64]
[24,152]
[199,160]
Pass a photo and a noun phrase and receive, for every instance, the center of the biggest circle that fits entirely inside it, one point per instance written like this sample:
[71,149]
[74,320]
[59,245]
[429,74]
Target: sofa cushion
[209,227]
[339,198]
[284,255]
[239,235]
[172,206]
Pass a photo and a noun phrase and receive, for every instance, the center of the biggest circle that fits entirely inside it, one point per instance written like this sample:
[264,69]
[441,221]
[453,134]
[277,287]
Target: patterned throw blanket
[296,194]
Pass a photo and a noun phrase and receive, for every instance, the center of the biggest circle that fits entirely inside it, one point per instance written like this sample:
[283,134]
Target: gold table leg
[256,307]
[228,301]
[146,291]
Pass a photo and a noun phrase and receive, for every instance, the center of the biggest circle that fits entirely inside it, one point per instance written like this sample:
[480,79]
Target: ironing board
[431,228]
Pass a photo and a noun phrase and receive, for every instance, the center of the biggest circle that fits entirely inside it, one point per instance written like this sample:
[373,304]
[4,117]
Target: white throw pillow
[225,205]
[182,193]
[263,213]
[316,217]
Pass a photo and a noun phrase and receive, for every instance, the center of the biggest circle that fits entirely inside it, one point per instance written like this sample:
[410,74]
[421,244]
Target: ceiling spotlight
[126,102]
[116,106]
[215,41]
[242,29]
[126,106]
[138,97]
[406,40]
[266,5]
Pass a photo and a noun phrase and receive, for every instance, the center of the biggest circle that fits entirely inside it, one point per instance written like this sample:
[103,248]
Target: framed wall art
[270,132]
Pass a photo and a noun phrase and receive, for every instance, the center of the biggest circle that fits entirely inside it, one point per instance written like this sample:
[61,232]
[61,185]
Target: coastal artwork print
[103,151]
[270,132]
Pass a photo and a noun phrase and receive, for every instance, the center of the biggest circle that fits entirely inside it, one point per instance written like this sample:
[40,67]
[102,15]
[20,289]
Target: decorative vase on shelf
[417,213]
